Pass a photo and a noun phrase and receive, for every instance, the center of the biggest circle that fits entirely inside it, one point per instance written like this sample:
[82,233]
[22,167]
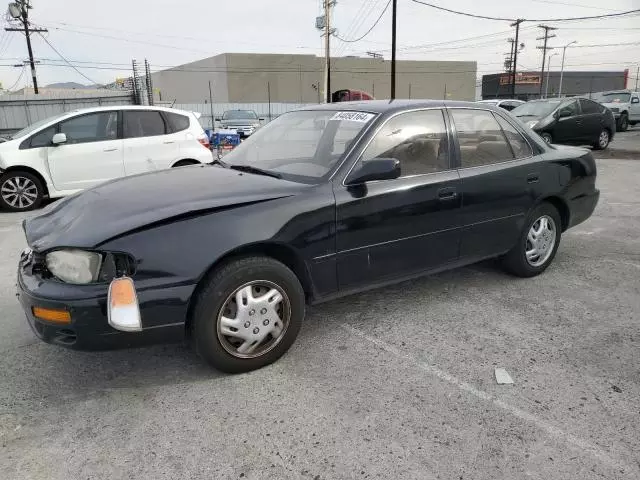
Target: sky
[101,38]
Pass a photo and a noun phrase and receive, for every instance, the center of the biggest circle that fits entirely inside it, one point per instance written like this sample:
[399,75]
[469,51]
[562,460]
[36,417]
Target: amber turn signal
[52,315]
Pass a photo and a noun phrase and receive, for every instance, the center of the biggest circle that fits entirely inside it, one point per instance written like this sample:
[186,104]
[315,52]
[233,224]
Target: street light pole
[394,14]
[564,50]
[546,87]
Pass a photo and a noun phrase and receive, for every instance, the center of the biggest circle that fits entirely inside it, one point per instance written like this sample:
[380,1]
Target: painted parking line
[586,447]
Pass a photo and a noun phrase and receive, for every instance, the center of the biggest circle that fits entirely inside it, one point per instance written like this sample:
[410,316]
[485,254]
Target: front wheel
[623,123]
[20,191]
[547,138]
[603,140]
[538,243]
[248,314]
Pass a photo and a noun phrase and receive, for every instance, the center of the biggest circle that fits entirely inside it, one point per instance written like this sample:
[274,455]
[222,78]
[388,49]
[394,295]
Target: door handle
[111,149]
[533,178]
[167,142]
[445,194]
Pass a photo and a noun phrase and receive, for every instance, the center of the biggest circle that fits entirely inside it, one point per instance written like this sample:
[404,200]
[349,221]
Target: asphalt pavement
[396,383]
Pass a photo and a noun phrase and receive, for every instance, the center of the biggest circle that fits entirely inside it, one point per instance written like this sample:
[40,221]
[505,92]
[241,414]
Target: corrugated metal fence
[265,111]
[17,112]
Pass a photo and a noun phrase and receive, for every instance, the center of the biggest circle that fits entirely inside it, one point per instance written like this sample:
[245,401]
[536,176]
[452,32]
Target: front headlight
[532,123]
[74,266]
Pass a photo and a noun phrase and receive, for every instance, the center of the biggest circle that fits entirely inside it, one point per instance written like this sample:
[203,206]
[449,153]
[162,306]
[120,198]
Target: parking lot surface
[394,383]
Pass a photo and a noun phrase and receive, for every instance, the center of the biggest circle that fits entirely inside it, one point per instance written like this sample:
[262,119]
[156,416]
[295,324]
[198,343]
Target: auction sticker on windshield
[362,117]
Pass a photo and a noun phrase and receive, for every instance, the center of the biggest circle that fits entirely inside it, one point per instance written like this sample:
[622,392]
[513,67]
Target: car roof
[390,106]
[126,107]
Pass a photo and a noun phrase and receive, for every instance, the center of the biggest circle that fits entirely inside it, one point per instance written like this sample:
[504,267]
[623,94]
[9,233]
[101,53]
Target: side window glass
[417,139]
[143,124]
[43,138]
[589,107]
[519,145]
[571,108]
[481,139]
[177,122]
[95,127]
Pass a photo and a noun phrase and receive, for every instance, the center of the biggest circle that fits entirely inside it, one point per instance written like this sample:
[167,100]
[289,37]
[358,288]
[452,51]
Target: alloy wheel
[541,240]
[19,192]
[603,139]
[253,319]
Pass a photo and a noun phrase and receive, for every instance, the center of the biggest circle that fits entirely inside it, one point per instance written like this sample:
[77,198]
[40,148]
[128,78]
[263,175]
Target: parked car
[624,104]
[65,154]
[507,104]
[571,121]
[350,96]
[321,202]
[245,122]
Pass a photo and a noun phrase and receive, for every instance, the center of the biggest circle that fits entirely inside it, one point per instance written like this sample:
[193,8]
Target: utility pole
[394,16]
[544,49]
[546,85]
[564,50]
[515,56]
[19,10]
[327,48]
[637,75]
[213,118]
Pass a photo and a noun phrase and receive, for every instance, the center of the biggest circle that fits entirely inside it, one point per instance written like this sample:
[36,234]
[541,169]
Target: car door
[569,129]
[498,181]
[592,118]
[92,154]
[634,108]
[392,228]
[147,145]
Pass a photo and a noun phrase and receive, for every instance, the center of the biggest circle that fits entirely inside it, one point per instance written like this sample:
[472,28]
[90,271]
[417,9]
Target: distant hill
[71,86]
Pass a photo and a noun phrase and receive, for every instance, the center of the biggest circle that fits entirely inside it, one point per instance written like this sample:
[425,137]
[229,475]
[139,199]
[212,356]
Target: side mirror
[635,100]
[59,139]
[218,119]
[261,119]
[564,113]
[375,169]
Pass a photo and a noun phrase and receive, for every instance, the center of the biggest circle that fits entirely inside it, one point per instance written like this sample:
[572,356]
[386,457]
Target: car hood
[614,105]
[241,122]
[132,203]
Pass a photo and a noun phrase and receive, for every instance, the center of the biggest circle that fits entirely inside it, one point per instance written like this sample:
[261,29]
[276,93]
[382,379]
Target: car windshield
[35,126]
[612,97]
[536,109]
[239,115]
[301,146]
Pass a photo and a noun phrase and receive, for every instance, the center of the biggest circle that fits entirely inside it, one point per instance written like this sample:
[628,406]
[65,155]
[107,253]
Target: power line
[503,19]
[67,61]
[18,80]
[384,10]
[361,16]
[553,2]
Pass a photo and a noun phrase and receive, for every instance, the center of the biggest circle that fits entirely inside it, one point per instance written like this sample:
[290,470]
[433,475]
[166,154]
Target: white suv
[77,150]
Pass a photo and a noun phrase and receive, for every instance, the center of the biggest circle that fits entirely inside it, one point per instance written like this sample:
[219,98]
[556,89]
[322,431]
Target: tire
[623,123]
[516,262]
[185,163]
[236,352]
[547,138]
[603,140]
[28,189]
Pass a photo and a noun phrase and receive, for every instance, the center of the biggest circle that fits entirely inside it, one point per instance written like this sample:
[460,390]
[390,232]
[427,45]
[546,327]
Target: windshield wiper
[256,170]
[219,162]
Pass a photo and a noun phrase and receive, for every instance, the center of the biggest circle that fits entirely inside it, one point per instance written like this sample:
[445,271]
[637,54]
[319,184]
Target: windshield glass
[612,97]
[35,126]
[536,109]
[303,146]
[239,115]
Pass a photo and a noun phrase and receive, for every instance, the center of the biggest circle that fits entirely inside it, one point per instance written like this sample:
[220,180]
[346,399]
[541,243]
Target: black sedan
[321,202]
[570,121]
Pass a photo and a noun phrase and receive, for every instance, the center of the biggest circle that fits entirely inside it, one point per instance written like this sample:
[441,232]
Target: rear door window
[143,124]
[519,145]
[589,106]
[481,139]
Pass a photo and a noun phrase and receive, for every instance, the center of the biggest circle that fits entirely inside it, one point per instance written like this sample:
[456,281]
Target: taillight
[204,141]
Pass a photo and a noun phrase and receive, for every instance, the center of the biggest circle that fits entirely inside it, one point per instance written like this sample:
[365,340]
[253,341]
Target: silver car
[245,122]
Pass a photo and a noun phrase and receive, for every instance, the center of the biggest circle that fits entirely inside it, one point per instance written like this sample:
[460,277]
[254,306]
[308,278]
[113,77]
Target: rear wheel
[547,137]
[248,314]
[538,243]
[20,191]
[603,140]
